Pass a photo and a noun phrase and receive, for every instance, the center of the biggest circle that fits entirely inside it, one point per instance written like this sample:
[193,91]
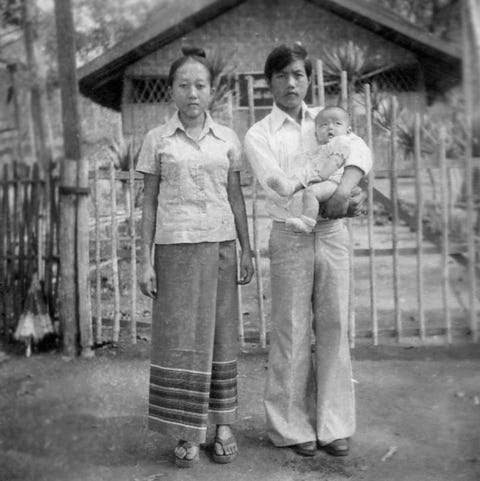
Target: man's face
[331,122]
[289,86]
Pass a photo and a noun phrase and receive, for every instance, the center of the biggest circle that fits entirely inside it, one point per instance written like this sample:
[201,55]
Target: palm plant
[223,71]
[358,61]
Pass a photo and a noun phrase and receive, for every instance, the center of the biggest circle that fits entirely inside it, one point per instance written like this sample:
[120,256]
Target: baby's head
[330,122]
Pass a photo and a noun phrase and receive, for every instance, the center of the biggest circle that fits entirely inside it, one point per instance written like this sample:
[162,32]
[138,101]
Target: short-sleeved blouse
[193,203]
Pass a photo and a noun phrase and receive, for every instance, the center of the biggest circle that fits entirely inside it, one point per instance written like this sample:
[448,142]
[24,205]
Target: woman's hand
[246,269]
[148,280]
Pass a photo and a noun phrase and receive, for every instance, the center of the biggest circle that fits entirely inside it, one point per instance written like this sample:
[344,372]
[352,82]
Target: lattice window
[149,90]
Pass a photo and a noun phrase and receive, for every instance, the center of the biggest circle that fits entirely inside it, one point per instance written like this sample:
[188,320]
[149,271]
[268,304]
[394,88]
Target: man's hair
[284,55]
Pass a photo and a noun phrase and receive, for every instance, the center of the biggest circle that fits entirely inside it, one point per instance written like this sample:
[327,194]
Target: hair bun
[198,52]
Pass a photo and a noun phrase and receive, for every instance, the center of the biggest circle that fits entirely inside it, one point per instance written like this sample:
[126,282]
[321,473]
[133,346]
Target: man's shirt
[278,145]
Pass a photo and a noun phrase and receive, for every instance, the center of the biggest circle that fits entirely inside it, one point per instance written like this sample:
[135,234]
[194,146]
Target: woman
[193,211]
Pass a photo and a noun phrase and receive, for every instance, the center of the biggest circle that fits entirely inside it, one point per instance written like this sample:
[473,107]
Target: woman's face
[289,86]
[191,90]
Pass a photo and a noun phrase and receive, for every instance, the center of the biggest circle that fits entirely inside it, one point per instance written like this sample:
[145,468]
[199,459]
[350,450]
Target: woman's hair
[284,55]
[190,53]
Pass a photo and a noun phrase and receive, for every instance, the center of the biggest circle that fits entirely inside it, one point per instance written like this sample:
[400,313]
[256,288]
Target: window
[149,90]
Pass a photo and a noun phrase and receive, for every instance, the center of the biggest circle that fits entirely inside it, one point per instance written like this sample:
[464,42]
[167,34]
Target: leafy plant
[223,78]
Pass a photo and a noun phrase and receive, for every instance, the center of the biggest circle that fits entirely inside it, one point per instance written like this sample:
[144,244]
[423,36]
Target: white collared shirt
[193,203]
[277,145]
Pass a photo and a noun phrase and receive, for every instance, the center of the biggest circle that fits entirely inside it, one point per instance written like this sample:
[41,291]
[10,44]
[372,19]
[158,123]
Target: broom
[34,323]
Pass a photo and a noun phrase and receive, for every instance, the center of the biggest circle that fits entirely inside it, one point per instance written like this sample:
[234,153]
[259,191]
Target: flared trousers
[309,395]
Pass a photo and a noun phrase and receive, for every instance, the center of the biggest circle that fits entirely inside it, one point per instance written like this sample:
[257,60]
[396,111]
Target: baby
[323,169]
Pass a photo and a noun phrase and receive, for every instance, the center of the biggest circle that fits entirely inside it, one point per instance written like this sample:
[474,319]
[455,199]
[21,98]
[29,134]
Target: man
[309,400]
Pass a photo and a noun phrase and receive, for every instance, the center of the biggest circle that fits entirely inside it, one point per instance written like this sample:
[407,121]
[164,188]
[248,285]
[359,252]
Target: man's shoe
[339,447]
[305,449]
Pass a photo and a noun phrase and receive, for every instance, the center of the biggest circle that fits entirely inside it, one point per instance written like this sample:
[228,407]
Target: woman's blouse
[193,204]
[277,146]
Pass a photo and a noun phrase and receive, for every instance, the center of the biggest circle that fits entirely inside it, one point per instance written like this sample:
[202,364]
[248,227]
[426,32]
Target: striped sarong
[193,372]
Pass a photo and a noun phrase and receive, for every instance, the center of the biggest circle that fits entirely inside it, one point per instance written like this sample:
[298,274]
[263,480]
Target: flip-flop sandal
[224,458]
[184,462]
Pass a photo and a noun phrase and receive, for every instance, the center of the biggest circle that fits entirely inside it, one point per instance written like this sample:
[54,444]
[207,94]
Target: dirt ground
[418,407]
[85,420]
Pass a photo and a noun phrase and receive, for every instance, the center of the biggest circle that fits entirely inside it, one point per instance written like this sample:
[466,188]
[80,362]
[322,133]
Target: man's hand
[357,203]
[343,204]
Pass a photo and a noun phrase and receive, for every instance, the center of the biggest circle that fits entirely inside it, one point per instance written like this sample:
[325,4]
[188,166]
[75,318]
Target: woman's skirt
[193,371]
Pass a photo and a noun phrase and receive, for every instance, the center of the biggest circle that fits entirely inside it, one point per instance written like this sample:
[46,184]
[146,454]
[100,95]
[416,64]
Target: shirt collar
[174,123]
[279,117]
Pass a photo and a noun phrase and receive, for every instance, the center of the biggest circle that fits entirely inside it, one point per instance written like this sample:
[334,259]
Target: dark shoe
[305,449]
[339,447]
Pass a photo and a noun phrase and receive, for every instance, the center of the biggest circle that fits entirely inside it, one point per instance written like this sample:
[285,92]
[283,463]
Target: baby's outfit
[339,147]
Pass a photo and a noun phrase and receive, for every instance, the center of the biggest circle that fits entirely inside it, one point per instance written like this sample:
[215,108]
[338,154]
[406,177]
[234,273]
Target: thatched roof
[101,79]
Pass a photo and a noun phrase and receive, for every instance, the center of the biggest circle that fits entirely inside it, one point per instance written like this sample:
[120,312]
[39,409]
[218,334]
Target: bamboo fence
[26,247]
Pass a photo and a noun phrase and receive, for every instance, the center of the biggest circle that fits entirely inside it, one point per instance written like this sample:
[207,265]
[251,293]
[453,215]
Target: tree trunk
[75,227]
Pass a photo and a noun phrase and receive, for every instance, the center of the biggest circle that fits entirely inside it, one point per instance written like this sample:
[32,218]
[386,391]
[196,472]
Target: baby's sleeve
[360,155]
[149,158]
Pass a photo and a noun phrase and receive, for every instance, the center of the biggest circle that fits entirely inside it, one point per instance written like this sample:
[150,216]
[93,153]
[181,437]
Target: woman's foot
[186,454]
[225,446]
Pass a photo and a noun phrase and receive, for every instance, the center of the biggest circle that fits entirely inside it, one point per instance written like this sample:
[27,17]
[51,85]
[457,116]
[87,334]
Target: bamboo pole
[320,83]
[241,330]
[313,83]
[23,280]
[370,219]
[8,246]
[445,233]
[133,256]
[351,291]
[419,227]
[98,279]
[16,282]
[470,39]
[29,220]
[12,69]
[344,90]
[395,218]
[114,255]
[256,248]
[3,248]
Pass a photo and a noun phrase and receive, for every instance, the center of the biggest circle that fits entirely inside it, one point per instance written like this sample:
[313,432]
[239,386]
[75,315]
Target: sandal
[224,458]
[186,462]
